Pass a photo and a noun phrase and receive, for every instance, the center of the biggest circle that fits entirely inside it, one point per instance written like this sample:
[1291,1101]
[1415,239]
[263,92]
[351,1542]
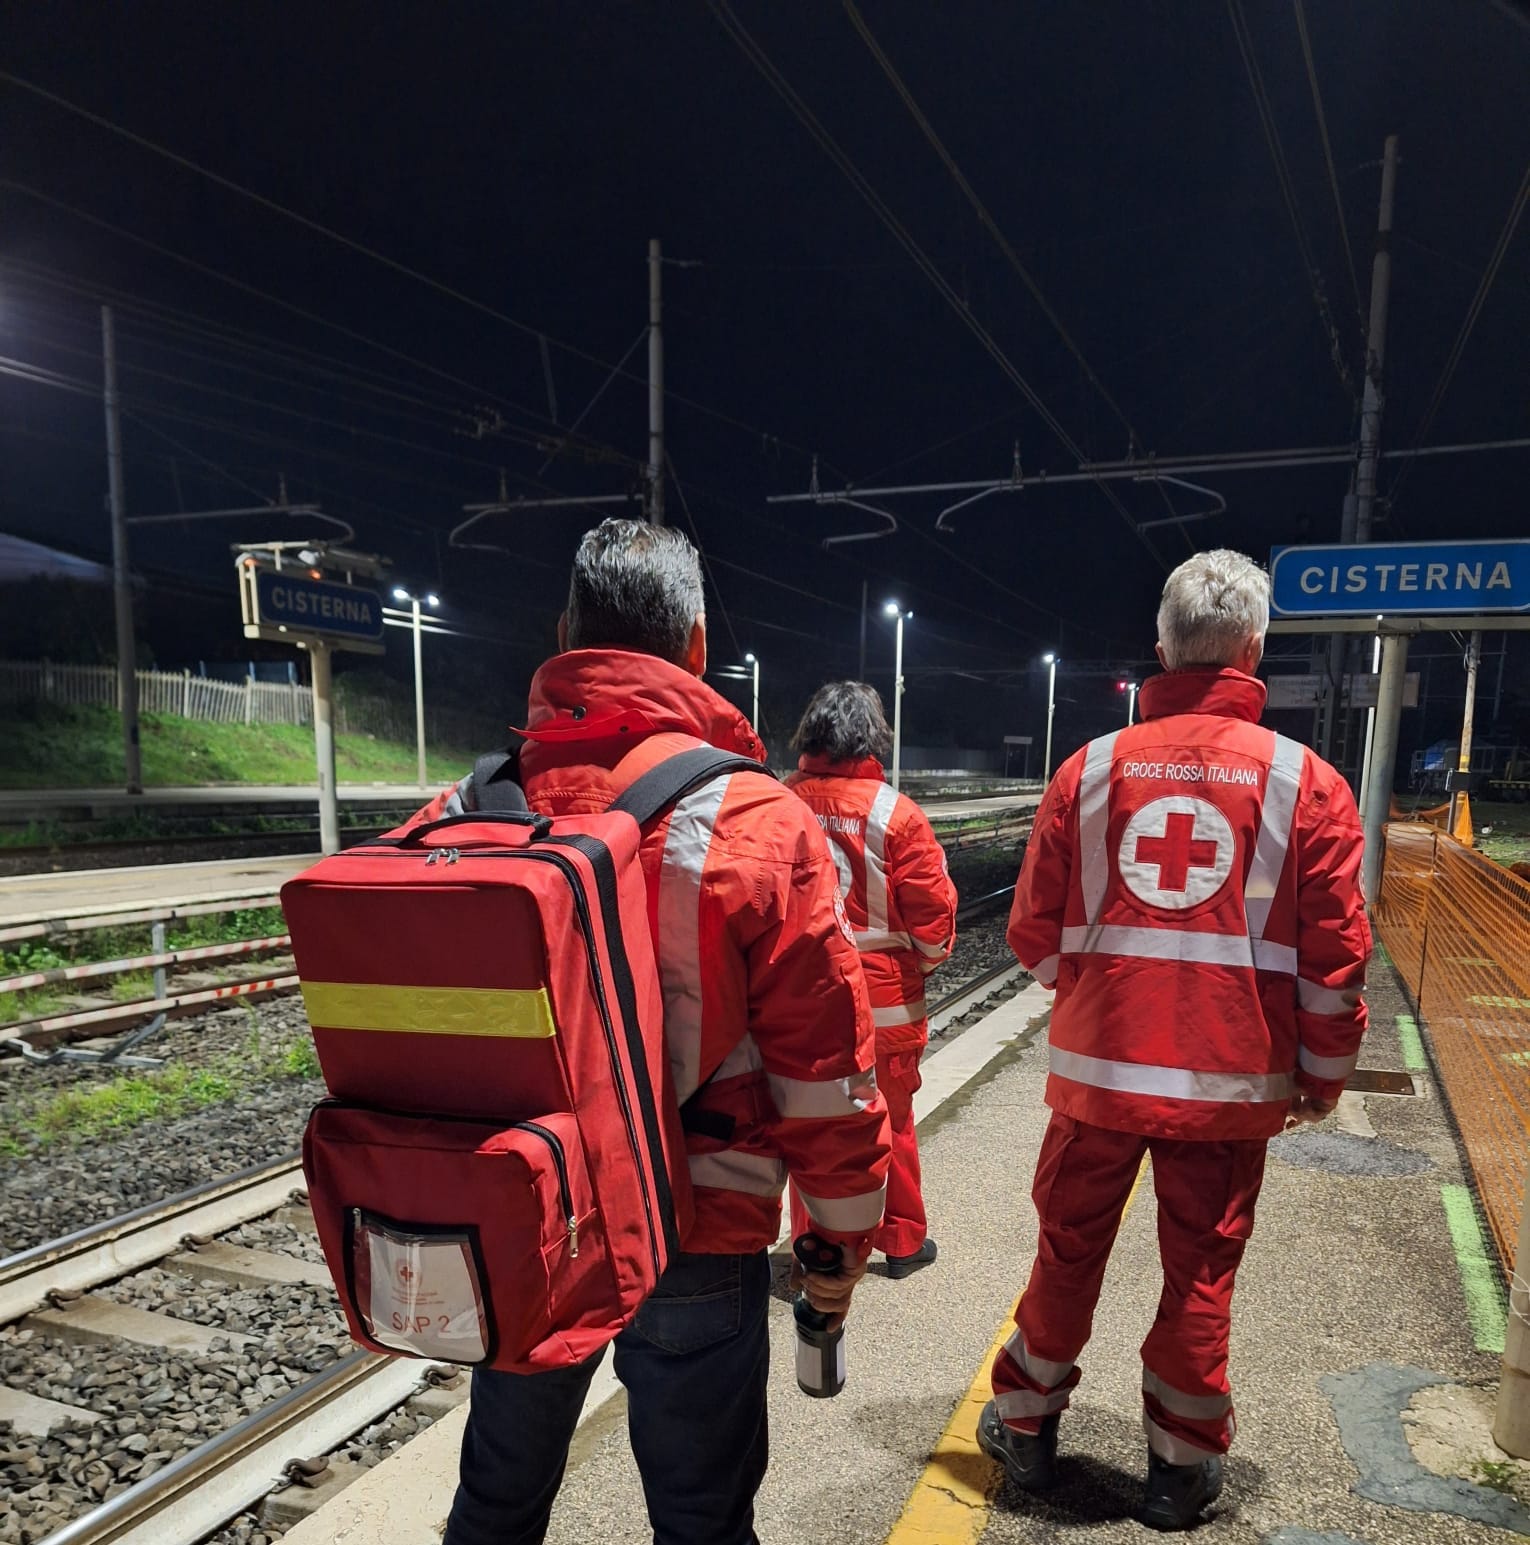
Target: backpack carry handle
[540,824]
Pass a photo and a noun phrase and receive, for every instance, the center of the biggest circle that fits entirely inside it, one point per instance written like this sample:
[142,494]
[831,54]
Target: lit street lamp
[432,601]
[1130,688]
[892,609]
[754,718]
[1049,660]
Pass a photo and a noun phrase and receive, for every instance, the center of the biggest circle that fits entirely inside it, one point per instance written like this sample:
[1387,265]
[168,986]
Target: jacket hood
[599,694]
[1225,692]
[850,767]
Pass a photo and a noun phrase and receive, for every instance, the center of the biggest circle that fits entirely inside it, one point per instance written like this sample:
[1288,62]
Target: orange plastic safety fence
[1457,927]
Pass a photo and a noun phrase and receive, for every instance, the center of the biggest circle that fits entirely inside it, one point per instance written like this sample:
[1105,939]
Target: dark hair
[844,722]
[635,586]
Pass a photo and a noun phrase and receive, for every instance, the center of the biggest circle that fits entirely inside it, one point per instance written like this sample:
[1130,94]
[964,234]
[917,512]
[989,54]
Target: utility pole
[655,384]
[419,694]
[324,747]
[1359,508]
[1464,758]
[122,580]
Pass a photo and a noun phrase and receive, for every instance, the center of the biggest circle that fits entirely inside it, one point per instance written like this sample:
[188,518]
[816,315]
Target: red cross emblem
[1177,852]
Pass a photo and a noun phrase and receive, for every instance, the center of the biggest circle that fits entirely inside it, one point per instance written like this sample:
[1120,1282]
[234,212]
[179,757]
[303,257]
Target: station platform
[1367,1287]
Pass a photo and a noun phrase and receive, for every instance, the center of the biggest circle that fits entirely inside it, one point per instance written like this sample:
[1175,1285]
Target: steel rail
[90,1256]
[197,1493]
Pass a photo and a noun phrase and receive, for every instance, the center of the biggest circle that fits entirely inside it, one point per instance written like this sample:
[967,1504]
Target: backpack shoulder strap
[496,780]
[676,776]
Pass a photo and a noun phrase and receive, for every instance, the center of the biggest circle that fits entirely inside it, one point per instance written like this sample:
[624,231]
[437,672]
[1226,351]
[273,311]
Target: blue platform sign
[290,599]
[1400,579]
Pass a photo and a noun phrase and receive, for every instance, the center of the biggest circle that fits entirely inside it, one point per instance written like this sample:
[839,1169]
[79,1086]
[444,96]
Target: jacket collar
[1225,692]
[588,695]
[850,767]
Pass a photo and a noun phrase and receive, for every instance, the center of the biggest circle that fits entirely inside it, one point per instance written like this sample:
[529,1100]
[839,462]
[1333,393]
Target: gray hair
[637,587]
[1213,604]
[844,722]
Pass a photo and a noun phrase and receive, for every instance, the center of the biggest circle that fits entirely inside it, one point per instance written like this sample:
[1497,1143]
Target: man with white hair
[1192,890]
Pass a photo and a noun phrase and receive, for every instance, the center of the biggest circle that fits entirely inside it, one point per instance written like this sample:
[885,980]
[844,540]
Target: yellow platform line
[952,1499]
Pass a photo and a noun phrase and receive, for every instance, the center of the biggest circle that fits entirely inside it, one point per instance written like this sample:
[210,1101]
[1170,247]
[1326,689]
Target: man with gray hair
[1192,890]
[769,1037]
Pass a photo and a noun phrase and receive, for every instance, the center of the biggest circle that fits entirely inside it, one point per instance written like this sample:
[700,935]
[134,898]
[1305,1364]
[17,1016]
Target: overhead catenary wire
[1288,191]
[1333,176]
[1468,323]
[783,88]
[316,227]
[985,218]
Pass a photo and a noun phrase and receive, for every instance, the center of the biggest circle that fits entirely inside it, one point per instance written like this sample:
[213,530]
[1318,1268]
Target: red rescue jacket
[1192,887]
[897,894]
[764,1000]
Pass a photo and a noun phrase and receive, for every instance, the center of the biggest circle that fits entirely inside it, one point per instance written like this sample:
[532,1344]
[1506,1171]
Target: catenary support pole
[655,384]
[1383,768]
[897,766]
[324,748]
[122,580]
[1511,1421]
[1359,513]
[1464,757]
[1046,765]
[419,694]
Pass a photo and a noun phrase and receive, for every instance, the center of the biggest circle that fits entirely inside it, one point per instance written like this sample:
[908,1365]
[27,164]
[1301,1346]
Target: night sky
[523,155]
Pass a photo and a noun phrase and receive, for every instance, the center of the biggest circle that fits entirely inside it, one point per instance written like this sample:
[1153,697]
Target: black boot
[903,1265]
[1176,1494]
[1029,1460]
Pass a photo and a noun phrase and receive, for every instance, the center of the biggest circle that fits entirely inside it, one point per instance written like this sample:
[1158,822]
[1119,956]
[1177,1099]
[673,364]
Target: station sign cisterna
[1400,579]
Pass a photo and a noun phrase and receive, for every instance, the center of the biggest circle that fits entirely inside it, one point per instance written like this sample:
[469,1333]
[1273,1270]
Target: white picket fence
[236,702]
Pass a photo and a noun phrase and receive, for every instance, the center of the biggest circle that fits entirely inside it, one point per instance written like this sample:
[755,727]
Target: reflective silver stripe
[869,942]
[1325,1067]
[1315,999]
[1207,949]
[875,853]
[1093,822]
[744,1058]
[1044,970]
[462,799]
[732,1171]
[680,965]
[899,1014]
[1171,1083]
[1039,1370]
[1275,818]
[1173,1448]
[797,1097]
[846,1214]
[1018,1404]
[1195,1408]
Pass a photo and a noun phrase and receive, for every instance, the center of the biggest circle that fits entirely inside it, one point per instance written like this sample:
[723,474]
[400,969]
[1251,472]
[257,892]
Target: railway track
[196,1493]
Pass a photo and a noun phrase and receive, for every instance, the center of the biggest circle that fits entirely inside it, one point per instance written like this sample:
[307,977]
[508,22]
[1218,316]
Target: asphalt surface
[1345,1271]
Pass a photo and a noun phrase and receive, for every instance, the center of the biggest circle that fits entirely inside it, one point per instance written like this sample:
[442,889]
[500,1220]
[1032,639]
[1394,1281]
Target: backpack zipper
[554,1147]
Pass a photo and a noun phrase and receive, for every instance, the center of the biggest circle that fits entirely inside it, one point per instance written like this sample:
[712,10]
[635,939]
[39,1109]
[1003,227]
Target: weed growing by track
[79,1112]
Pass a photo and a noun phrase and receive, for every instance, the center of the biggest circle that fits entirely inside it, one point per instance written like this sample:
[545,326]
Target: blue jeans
[694,1362]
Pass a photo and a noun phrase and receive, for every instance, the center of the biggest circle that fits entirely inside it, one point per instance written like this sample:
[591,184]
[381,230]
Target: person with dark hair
[902,909]
[769,1036]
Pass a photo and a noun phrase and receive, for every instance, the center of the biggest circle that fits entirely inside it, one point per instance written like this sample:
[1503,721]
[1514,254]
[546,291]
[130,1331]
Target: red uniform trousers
[903,1224]
[1206,1194]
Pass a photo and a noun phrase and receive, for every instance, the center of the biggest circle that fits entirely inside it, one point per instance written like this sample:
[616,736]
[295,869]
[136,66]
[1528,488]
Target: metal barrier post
[1511,1422]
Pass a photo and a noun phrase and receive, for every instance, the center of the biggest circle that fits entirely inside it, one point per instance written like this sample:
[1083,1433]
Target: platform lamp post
[753,661]
[893,609]
[1130,688]
[1050,661]
[432,600]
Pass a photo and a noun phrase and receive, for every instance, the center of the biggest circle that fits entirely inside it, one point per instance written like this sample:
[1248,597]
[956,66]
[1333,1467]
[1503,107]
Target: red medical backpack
[499,1176]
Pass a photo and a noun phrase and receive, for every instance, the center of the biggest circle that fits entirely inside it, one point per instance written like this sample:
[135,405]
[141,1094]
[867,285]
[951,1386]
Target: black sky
[524,154]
